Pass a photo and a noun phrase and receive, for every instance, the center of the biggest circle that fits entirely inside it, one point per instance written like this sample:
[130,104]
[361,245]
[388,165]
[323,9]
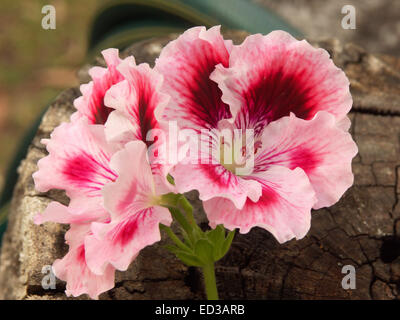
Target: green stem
[191,251]
[174,238]
[180,218]
[210,282]
[187,207]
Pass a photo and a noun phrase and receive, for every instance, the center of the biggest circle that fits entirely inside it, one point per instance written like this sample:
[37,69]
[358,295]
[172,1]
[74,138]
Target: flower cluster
[113,158]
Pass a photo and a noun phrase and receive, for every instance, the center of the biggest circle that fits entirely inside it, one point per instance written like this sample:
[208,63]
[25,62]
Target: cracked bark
[363,229]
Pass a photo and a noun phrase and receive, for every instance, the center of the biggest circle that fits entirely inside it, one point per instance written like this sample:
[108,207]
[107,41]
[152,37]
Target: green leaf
[227,244]
[172,249]
[4,213]
[216,235]
[178,216]
[171,179]
[169,200]
[189,259]
[174,238]
[186,256]
[203,250]
[186,239]
[184,204]
[217,238]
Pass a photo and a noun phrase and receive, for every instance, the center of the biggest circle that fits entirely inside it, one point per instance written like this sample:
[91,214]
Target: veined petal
[271,76]
[80,210]
[134,189]
[78,160]
[284,208]
[139,103]
[202,166]
[91,104]
[318,146]
[74,270]
[213,180]
[135,219]
[121,129]
[119,243]
[186,64]
[139,99]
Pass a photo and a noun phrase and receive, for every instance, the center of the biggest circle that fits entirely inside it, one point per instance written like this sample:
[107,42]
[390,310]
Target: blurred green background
[36,64]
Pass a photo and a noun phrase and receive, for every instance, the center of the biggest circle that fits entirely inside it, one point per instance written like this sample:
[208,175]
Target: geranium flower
[138,103]
[73,268]
[79,163]
[133,202]
[186,64]
[91,104]
[296,102]
[80,151]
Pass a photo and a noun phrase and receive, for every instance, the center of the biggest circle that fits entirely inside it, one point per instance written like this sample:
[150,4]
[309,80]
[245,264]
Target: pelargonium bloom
[133,202]
[296,102]
[73,267]
[91,104]
[79,162]
[138,103]
[186,64]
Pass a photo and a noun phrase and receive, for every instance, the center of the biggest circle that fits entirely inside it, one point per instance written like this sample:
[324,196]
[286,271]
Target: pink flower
[138,102]
[186,64]
[79,162]
[73,268]
[133,202]
[296,102]
[91,104]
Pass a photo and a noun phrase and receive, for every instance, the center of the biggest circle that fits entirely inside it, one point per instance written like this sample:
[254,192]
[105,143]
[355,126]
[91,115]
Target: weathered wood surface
[362,230]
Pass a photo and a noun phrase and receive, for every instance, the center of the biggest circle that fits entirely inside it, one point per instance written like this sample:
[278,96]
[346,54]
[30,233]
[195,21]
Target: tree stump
[362,230]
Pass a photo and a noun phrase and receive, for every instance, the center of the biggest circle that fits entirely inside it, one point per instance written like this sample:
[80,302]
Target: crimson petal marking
[284,207]
[186,64]
[91,103]
[78,160]
[87,172]
[213,180]
[119,243]
[271,76]
[134,188]
[139,103]
[139,99]
[124,232]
